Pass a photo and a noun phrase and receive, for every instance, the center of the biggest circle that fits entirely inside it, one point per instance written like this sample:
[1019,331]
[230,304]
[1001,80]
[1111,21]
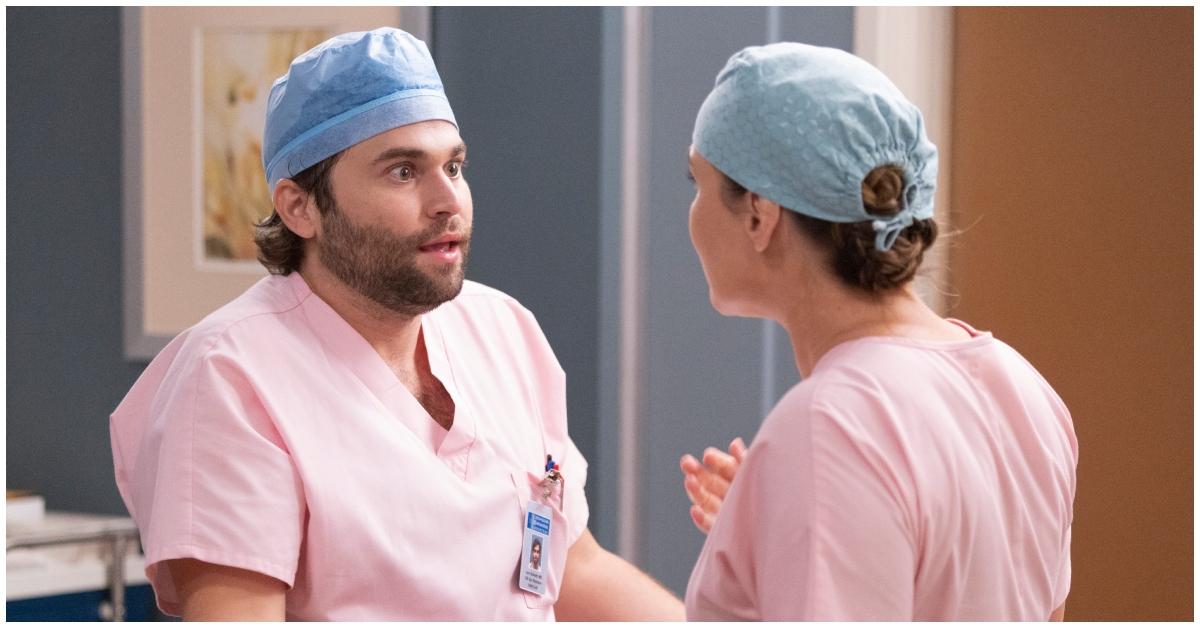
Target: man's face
[399,233]
[535,554]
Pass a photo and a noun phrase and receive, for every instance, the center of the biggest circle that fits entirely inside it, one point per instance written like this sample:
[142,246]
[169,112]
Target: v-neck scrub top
[272,437]
[902,480]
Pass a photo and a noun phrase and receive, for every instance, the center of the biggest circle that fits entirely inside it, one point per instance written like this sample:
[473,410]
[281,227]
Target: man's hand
[707,483]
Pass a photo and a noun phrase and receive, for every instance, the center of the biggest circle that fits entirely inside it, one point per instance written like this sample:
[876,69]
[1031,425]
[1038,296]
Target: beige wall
[1073,179]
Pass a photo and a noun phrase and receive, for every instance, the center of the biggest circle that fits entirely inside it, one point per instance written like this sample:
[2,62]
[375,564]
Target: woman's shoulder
[902,384]
[827,396]
[864,368]
[870,383]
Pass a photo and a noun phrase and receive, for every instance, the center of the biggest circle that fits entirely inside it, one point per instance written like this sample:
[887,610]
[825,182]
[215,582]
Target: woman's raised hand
[707,482]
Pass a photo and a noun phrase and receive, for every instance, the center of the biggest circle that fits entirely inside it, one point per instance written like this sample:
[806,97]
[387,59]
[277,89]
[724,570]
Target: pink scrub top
[903,480]
[272,437]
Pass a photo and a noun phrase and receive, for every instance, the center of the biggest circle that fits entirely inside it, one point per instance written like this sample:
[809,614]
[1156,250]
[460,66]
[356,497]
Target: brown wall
[1072,176]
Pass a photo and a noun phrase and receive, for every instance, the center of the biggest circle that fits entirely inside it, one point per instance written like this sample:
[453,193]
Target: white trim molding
[914,46]
[634,83]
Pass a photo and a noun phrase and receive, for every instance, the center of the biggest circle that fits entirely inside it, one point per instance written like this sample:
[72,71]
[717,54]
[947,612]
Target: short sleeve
[213,479]
[862,550]
[575,501]
[813,528]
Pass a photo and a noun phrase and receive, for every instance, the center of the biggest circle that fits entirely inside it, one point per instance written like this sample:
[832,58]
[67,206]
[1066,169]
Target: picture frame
[195,81]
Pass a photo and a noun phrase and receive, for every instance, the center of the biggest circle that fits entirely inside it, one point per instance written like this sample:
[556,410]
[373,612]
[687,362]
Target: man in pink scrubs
[363,435]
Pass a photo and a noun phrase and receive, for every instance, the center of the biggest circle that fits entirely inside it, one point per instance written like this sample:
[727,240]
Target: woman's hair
[280,250]
[851,245]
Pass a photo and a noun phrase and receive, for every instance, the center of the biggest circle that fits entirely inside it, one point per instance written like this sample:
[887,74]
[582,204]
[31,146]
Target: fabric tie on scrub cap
[346,90]
[803,125]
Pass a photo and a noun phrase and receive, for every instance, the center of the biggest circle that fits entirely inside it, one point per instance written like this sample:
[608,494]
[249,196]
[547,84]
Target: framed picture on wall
[196,82]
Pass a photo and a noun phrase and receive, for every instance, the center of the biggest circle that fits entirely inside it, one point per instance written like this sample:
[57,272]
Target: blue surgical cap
[346,90]
[803,125]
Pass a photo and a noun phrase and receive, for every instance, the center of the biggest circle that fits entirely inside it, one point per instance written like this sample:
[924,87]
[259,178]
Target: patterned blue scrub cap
[346,90]
[803,125]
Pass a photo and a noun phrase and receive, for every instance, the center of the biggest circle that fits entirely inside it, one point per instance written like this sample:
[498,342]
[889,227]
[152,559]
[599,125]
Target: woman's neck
[821,319]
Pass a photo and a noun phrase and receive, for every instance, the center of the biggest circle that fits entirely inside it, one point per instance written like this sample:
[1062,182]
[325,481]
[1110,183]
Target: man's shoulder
[250,326]
[254,314]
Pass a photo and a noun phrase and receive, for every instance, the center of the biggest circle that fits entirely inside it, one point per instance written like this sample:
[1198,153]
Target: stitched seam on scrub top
[226,558]
[474,420]
[204,362]
[191,492]
[221,334]
[813,541]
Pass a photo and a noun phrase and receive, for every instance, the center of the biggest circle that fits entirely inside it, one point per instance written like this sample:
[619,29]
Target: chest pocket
[529,486]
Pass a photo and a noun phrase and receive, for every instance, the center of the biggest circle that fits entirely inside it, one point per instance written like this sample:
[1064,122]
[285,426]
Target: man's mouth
[446,248]
[440,247]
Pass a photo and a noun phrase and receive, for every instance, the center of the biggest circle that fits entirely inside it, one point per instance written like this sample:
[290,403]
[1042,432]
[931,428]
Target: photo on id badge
[535,553]
[534,547]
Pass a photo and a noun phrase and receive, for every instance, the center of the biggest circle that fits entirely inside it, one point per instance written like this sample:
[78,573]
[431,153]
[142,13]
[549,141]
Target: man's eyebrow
[401,152]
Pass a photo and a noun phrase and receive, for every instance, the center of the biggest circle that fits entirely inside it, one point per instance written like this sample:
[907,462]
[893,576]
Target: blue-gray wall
[66,367]
[707,378]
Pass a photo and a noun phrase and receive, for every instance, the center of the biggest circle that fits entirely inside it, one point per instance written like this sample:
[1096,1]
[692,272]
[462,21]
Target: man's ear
[761,221]
[296,208]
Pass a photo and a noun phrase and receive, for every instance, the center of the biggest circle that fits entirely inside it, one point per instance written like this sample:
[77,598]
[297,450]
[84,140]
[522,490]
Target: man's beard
[382,266]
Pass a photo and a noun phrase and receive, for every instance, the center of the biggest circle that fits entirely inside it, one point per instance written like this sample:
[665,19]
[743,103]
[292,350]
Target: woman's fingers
[713,483]
[737,448]
[703,520]
[695,491]
[706,500]
[692,469]
[707,482]
[722,463]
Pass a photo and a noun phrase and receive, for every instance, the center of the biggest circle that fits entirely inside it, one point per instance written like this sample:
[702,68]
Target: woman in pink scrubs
[922,469]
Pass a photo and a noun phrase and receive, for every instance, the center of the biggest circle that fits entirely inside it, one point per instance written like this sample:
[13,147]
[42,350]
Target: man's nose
[443,196]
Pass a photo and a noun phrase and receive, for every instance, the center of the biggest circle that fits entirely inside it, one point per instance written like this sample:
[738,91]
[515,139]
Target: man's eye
[455,168]
[404,173]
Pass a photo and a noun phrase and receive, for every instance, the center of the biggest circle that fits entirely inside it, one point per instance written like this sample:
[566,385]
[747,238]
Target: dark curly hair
[279,249]
[851,246]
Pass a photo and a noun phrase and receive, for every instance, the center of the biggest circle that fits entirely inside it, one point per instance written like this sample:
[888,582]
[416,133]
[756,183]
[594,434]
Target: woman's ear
[761,221]
[296,208]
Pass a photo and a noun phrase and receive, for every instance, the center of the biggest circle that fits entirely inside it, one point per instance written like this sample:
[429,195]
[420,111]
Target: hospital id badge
[535,548]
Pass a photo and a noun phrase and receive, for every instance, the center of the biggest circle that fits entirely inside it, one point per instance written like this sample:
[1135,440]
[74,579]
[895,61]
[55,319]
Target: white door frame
[914,46]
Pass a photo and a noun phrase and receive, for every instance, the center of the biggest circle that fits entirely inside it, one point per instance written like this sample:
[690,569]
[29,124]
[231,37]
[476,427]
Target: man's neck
[393,335]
